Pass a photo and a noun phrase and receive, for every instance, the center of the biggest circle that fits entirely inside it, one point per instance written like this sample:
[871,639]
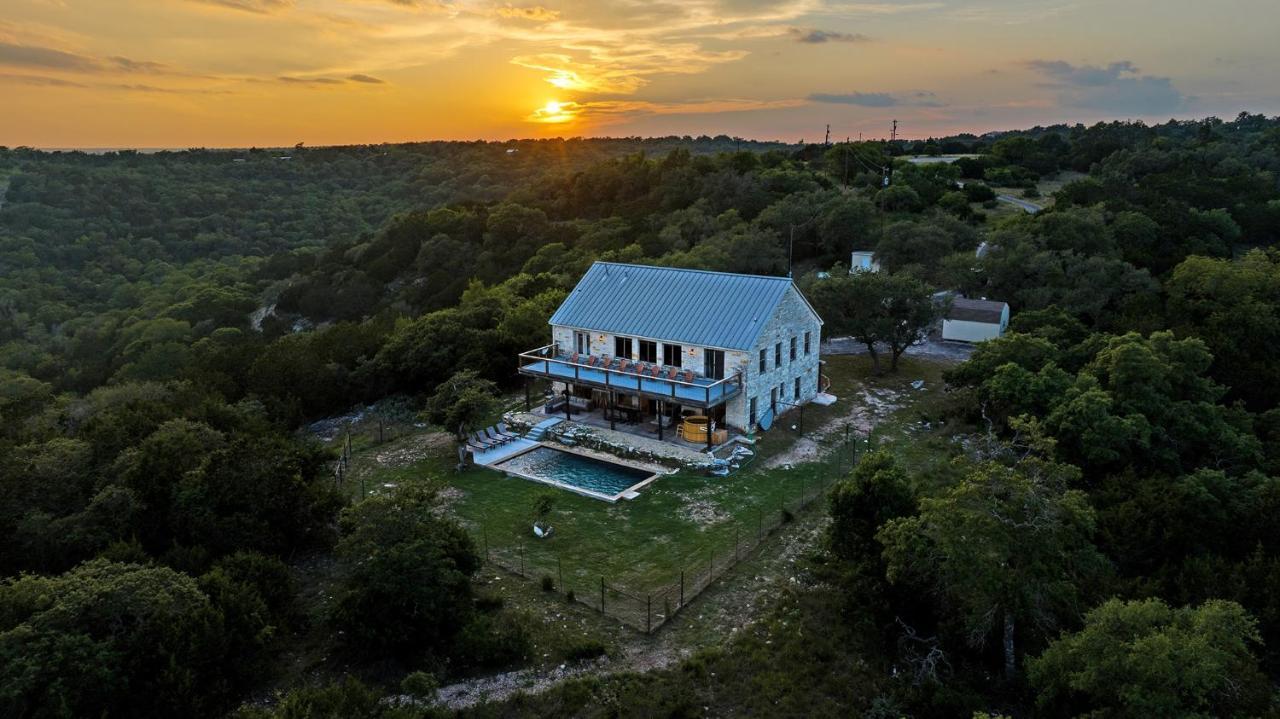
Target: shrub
[494,641]
[420,685]
[548,584]
[584,649]
[570,596]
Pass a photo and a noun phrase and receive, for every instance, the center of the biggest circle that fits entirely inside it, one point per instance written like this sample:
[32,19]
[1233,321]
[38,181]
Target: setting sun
[555,112]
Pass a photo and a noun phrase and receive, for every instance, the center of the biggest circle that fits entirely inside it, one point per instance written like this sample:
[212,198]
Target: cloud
[359,77]
[814,36]
[39,81]
[919,98]
[261,7]
[44,57]
[536,13]
[1117,88]
[310,80]
[139,66]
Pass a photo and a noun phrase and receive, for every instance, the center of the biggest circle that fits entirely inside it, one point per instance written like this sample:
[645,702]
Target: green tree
[110,639]
[465,400]
[877,309]
[406,587]
[1008,549]
[1145,659]
[875,492]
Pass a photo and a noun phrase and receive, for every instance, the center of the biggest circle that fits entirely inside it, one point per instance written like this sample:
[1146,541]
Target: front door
[581,343]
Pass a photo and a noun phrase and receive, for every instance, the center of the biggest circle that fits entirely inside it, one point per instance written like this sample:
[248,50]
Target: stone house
[668,342]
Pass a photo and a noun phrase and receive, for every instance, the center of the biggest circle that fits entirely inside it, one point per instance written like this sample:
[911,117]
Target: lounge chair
[492,434]
[479,439]
[505,431]
[473,444]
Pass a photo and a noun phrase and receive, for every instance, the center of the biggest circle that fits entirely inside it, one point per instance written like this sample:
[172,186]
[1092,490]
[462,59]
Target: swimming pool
[576,472]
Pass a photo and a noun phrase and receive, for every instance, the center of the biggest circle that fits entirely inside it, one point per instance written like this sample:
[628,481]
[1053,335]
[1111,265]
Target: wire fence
[647,608]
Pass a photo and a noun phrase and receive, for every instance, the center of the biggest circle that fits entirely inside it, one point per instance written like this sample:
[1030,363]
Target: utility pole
[827,139]
[893,136]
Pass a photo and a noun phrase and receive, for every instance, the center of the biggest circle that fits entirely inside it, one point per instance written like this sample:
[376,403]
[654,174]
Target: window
[797,389]
[793,349]
[806,344]
[648,351]
[671,355]
[713,363]
[777,355]
[751,414]
[581,343]
[764,361]
[773,400]
[622,347]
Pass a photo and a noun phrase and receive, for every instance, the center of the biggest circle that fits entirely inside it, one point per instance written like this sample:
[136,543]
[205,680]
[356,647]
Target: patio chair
[654,370]
[505,431]
[476,446]
[592,360]
[672,372]
[688,375]
[574,358]
[492,434]
[487,444]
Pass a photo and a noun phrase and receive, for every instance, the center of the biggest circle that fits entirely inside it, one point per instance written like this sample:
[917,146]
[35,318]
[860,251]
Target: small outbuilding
[975,320]
[863,261]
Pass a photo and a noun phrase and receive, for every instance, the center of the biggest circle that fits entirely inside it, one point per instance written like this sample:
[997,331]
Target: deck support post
[567,415]
[660,420]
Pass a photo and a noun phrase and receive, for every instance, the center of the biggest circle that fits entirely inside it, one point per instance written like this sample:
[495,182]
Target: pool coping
[611,499]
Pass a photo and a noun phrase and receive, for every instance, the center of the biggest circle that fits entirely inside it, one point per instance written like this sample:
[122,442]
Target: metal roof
[967,310]
[693,307]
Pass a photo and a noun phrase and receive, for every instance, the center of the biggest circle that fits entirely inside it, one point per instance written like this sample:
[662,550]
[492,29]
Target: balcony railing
[700,391]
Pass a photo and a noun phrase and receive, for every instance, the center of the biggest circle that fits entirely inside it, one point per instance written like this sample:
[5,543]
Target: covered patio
[666,403]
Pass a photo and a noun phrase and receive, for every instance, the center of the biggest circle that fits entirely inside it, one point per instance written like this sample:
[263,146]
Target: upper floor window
[671,355]
[713,363]
[764,361]
[648,351]
[806,343]
[777,355]
[793,349]
[622,347]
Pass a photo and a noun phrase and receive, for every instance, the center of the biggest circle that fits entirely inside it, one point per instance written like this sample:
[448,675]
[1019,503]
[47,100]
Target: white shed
[863,261]
[975,320]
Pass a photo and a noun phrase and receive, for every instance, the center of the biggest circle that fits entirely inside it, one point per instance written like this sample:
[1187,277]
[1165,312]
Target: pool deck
[677,450]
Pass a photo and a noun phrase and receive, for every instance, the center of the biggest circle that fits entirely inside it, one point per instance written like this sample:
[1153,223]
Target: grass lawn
[682,521]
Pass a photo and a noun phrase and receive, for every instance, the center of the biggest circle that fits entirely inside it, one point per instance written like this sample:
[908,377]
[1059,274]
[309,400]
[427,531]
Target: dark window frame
[672,352]
[793,349]
[619,343]
[647,351]
[764,361]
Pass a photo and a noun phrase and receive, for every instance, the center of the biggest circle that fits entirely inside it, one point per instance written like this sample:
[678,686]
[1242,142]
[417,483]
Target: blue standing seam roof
[693,307]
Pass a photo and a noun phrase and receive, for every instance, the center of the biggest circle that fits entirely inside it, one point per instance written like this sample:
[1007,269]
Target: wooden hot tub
[694,429]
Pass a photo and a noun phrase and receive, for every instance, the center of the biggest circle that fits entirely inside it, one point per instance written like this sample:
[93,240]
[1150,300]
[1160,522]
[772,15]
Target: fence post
[560,571]
[648,613]
[682,587]
[602,595]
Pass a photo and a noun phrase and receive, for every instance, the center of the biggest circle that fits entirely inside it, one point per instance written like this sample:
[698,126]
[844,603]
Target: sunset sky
[177,73]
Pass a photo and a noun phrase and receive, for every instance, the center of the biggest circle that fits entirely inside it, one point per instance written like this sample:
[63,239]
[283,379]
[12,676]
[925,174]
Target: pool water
[587,473]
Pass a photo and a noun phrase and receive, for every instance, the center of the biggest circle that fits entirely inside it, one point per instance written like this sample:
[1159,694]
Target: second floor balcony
[614,374]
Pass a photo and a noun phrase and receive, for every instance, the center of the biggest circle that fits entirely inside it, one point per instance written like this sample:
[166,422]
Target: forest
[1101,543]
